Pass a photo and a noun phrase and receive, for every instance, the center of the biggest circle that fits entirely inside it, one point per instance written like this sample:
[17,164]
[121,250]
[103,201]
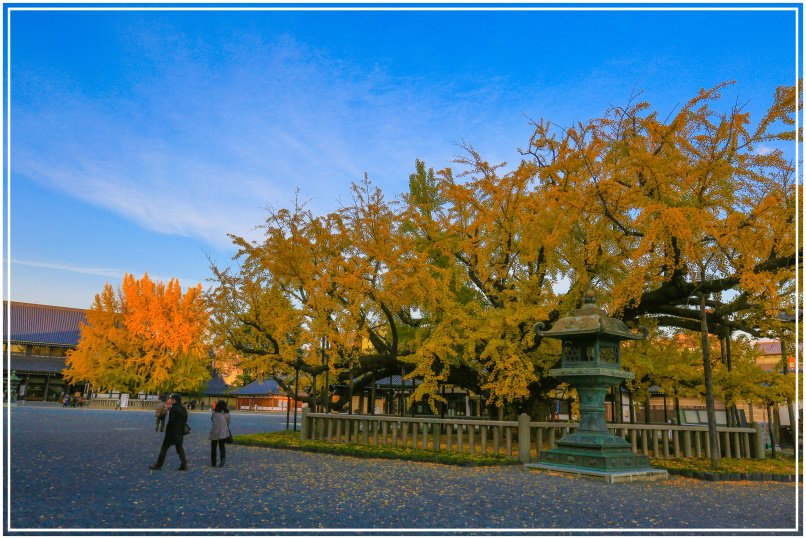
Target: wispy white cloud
[203,154]
[112,273]
[764,150]
[101,272]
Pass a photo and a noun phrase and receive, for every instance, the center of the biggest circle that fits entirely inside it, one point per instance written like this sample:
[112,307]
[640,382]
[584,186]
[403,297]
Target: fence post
[524,438]
[760,450]
[303,433]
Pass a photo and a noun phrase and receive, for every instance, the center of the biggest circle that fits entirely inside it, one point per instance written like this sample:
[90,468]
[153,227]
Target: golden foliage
[146,337]
[447,281]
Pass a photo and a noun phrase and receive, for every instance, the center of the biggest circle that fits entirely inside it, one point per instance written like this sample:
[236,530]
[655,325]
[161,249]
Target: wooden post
[676,441]
[384,430]
[759,452]
[437,436]
[538,442]
[524,438]
[508,434]
[484,439]
[737,446]
[697,444]
[645,442]
[460,439]
[687,444]
[304,431]
[746,445]
[552,445]
[449,437]
[655,450]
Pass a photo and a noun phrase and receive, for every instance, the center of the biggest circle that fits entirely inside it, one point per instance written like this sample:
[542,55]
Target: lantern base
[623,476]
[602,458]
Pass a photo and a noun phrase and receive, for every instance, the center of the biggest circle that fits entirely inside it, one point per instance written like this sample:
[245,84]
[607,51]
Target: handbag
[228,439]
[187,428]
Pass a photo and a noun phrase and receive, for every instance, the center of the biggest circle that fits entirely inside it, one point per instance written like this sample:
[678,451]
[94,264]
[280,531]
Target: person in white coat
[219,432]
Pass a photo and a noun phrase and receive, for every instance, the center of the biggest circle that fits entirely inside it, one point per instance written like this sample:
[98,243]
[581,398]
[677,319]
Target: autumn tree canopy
[147,337]
[445,282]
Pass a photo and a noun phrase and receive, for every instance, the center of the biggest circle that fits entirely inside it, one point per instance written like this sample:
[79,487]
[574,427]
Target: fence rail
[140,404]
[524,439]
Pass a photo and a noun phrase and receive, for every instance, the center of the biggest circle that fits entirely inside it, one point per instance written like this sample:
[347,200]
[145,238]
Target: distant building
[39,337]
[265,395]
[214,390]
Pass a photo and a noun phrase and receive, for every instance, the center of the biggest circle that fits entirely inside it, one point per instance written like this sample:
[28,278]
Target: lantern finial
[590,296]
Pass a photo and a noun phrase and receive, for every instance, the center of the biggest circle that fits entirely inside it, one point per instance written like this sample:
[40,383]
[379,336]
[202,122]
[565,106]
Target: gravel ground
[88,469]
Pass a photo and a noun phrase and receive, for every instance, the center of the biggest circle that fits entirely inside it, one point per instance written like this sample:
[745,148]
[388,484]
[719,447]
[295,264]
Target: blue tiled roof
[266,387]
[49,365]
[43,324]
[216,386]
[397,380]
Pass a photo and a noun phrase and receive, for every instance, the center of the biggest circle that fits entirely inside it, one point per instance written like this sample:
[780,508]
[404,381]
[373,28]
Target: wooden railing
[523,439]
[137,404]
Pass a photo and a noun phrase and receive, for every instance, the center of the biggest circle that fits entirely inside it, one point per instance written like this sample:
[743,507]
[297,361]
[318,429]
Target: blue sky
[139,139]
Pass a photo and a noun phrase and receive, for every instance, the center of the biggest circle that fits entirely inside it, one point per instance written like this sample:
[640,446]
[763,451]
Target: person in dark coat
[174,433]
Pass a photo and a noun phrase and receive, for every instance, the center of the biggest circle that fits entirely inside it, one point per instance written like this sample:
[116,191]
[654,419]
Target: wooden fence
[137,404]
[523,439]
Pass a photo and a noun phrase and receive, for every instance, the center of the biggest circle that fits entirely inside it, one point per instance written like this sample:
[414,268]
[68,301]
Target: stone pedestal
[592,451]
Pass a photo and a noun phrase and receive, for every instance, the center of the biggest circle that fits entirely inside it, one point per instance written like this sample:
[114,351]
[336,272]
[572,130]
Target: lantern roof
[590,319]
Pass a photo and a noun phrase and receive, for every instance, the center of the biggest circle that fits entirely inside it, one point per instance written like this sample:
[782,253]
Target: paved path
[74,468]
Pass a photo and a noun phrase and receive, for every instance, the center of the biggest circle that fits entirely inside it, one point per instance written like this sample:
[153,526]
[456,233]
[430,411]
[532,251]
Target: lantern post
[591,363]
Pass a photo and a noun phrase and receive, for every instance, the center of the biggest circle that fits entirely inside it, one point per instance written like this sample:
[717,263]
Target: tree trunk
[771,426]
[350,408]
[632,407]
[372,397]
[789,407]
[723,351]
[709,390]
[313,394]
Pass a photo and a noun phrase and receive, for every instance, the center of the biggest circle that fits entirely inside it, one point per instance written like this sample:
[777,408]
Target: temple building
[38,338]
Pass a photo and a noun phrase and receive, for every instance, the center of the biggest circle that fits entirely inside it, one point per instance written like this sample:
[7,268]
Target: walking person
[160,413]
[174,433]
[219,432]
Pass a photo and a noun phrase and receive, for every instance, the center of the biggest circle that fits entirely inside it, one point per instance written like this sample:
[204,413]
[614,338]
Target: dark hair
[177,397]
[221,406]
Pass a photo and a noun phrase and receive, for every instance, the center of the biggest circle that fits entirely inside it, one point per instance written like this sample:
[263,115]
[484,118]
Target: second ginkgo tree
[146,337]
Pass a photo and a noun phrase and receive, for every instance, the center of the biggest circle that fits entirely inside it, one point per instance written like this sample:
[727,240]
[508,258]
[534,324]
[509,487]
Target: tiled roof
[43,324]
[266,387]
[396,381]
[769,348]
[50,365]
[216,385]
[772,348]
